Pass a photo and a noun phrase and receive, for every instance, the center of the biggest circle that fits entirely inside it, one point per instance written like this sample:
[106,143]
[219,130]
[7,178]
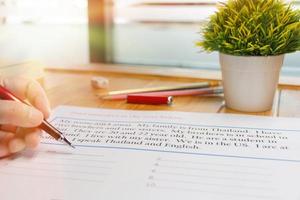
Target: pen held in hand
[45,126]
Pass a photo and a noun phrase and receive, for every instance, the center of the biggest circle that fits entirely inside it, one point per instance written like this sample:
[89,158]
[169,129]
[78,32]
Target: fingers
[15,114]
[19,114]
[31,136]
[11,143]
[5,137]
[15,145]
[32,140]
[31,90]
[9,128]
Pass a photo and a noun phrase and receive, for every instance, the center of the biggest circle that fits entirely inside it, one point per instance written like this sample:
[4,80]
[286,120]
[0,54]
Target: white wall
[44,11]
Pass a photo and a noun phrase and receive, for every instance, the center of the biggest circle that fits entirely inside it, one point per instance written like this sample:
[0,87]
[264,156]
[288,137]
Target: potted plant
[252,37]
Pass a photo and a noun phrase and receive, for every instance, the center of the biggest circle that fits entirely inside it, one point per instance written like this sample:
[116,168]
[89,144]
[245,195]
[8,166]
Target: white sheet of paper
[136,155]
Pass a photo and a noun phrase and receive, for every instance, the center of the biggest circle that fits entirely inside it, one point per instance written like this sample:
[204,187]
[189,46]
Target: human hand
[18,121]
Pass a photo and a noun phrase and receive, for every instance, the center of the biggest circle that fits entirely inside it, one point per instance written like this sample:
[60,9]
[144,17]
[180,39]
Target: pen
[154,100]
[188,92]
[45,126]
[165,88]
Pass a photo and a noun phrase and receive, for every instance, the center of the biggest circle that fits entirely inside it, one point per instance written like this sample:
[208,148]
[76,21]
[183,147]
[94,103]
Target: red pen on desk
[46,126]
[146,99]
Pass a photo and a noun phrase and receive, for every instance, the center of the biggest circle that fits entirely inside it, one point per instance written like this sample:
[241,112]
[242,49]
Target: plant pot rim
[249,56]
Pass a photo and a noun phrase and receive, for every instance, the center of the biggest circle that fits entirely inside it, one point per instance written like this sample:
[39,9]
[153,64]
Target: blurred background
[135,32]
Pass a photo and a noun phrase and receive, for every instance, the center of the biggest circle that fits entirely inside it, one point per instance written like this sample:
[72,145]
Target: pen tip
[68,143]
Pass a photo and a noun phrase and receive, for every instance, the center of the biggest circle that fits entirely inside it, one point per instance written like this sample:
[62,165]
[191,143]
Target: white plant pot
[250,82]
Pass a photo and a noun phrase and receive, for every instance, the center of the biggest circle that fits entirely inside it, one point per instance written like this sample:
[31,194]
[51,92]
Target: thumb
[19,114]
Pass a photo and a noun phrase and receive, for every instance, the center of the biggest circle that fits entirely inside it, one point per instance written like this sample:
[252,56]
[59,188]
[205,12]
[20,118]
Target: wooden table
[74,88]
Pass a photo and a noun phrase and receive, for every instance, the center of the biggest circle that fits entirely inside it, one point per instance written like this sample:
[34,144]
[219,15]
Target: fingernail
[35,116]
[3,151]
[16,145]
[48,111]
[44,105]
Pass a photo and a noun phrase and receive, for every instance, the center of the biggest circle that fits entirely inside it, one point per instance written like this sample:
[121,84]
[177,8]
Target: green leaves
[252,28]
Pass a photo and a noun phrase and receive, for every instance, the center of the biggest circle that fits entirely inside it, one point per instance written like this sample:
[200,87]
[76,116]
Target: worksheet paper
[137,155]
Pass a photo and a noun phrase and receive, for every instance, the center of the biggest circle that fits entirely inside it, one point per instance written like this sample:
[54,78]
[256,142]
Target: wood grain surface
[74,88]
